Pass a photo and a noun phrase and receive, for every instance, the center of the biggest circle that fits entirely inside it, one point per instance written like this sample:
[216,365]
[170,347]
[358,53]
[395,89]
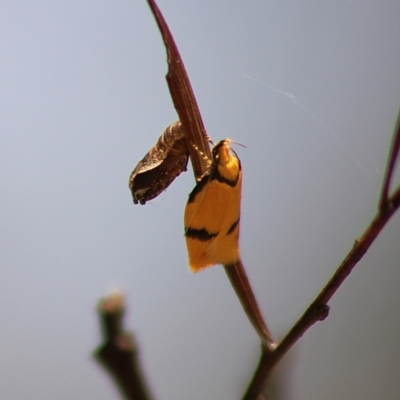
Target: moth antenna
[239,144]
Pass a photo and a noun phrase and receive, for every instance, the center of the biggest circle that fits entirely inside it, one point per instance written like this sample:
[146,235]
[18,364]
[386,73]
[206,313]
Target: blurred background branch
[119,354]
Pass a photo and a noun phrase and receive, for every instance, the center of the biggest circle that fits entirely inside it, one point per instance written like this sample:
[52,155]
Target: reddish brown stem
[183,97]
[393,157]
[238,278]
[319,310]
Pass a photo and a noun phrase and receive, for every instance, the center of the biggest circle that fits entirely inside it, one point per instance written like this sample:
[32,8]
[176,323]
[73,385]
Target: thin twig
[393,157]
[319,310]
[238,278]
[118,354]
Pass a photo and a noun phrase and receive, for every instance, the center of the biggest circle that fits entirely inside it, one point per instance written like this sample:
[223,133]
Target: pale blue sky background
[311,88]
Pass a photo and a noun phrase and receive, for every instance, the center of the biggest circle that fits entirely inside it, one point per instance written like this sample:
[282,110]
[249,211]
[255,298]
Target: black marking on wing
[200,234]
[214,175]
[198,188]
[233,226]
[217,176]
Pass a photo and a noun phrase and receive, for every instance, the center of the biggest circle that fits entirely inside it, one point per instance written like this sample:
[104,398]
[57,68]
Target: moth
[212,213]
[167,159]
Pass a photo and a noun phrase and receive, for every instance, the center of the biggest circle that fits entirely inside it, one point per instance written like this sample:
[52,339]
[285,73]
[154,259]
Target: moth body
[212,213]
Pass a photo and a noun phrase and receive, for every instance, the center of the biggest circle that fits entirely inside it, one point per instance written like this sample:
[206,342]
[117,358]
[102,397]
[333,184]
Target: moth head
[225,159]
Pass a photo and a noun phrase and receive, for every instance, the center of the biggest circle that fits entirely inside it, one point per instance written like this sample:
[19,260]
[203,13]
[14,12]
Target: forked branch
[319,309]
[118,353]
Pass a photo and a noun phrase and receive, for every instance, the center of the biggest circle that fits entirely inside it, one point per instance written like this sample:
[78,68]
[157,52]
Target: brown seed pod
[160,166]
